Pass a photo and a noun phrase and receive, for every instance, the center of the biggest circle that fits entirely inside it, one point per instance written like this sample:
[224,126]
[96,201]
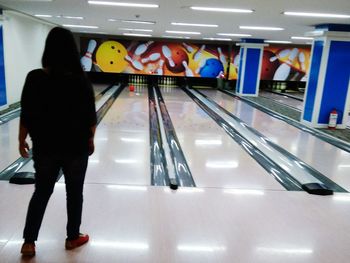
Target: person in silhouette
[58,112]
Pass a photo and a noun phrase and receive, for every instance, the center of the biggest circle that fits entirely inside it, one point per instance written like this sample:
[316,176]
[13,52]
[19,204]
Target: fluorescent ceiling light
[218,9]
[217,38]
[182,32]
[135,29]
[233,35]
[295,251]
[198,248]
[123,4]
[278,41]
[47,16]
[138,22]
[188,24]
[176,37]
[316,14]
[261,28]
[137,35]
[302,38]
[80,26]
[73,17]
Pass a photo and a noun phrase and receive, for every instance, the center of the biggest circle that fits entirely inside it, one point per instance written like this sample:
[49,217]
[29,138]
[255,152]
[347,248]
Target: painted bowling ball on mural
[268,68]
[178,55]
[211,68]
[110,57]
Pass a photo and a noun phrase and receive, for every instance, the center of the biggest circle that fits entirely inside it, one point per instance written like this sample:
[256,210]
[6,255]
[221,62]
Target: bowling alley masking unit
[187,59]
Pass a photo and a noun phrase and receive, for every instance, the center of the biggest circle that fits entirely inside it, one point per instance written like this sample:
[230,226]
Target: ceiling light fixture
[316,15]
[176,37]
[47,16]
[217,38]
[182,32]
[302,38]
[189,24]
[123,4]
[135,21]
[233,35]
[261,28]
[80,26]
[73,17]
[278,41]
[218,9]
[136,35]
[136,29]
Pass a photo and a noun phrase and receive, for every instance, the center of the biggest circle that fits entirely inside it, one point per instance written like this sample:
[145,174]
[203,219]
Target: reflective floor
[237,213]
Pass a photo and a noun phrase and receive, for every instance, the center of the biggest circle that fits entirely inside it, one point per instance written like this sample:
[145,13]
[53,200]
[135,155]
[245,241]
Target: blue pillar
[328,83]
[251,53]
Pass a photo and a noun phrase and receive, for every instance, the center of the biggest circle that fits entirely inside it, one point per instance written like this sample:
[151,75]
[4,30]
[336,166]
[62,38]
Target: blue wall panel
[313,80]
[251,70]
[336,81]
[3,99]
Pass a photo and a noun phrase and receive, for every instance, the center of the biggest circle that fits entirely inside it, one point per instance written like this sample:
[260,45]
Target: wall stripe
[313,80]
[336,81]
[251,70]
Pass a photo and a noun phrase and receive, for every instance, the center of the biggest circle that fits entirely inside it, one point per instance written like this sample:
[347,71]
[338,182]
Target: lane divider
[182,171]
[159,168]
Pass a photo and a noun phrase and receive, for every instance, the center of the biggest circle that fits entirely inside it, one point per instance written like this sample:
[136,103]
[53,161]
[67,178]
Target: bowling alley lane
[324,157]
[122,142]
[214,158]
[297,104]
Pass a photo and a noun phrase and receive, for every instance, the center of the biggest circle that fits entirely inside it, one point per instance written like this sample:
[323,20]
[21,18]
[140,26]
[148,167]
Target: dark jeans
[47,169]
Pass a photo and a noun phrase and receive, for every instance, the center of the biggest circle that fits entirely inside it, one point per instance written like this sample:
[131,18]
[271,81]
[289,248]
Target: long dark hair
[61,54]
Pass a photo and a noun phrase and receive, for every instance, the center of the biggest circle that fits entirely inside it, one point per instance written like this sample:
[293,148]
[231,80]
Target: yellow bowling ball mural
[110,57]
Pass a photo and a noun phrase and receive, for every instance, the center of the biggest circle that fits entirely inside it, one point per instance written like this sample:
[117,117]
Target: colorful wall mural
[154,57]
[282,63]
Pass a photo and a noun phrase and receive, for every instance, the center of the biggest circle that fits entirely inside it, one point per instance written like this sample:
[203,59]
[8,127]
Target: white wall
[24,40]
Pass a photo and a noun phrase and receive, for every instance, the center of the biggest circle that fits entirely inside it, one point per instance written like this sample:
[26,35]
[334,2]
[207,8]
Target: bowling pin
[152,57]
[142,48]
[159,70]
[281,54]
[283,70]
[167,53]
[136,64]
[222,57]
[86,60]
[188,71]
[188,47]
[200,66]
[301,59]
[198,54]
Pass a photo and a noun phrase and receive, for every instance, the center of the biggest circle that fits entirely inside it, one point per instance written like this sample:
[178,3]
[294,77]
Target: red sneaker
[81,240]
[28,249]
